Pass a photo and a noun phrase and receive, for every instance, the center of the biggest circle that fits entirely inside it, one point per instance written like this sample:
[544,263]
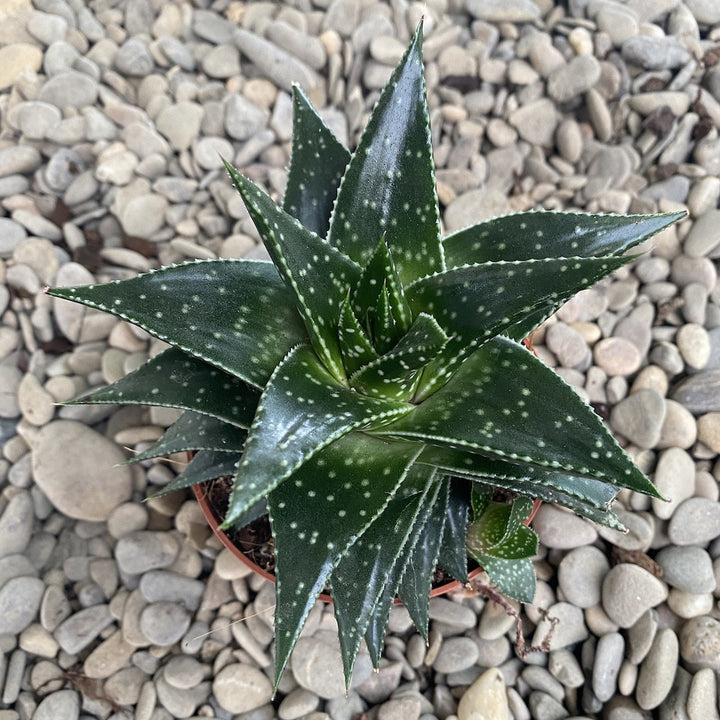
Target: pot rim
[201,496]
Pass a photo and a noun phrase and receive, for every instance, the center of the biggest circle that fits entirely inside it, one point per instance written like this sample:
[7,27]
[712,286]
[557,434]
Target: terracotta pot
[202,498]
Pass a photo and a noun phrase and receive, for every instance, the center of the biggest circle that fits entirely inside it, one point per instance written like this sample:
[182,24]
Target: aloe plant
[368,388]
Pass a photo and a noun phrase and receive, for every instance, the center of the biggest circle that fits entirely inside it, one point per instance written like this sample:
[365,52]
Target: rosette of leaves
[368,388]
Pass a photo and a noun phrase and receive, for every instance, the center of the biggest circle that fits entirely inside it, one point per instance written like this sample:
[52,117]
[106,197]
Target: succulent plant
[368,389]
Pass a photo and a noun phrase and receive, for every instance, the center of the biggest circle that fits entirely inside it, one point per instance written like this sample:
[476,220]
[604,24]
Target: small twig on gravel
[522,649]
[89,687]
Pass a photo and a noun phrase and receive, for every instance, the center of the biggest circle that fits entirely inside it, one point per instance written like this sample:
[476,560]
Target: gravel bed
[114,115]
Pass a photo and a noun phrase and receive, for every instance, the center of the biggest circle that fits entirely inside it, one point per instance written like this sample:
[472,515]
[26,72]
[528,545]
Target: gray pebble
[559,529]
[609,655]
[685,270]
[494,622]
[678,428]
[13,185]
[47,28]
[240,688]
[69,88]
[242,118]
[504,11]
[212,27]
[695,299]
[657,671]
[567,344]
[184,671]
[381,684]
[168,586]
[317,665]
[80,629]
[11,234]
[177,52]
[164,623]
[305,47]
[19,602]
[640,636]
[699,393]
[298,703]
[569,139]
[36,119]
[569,630]
[544,707]
[278,65]
[134,59]
[702,238]
[144,216]
[18,159]
[617,356]
[628,591]
[539,678]
[61,704]
[609,168]
[570,80]
[639,417]
[675,479]
[456,654]
[536,122]
[178,702]
[565,667]
[655,53]
[180,123]
[696,521]
[145,550]
[16,524]
[36,224]
[222,62]
[210,151]
[400,709]
[580,575]
[452,613]
[702,697]
[694,345]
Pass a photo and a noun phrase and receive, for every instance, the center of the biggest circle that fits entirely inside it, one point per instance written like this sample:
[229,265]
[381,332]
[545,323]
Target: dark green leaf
[480,499]
[360,578]
[416,584]
[234,314]
[317,164]
[194,431]
[584,496]
[206,465]
[375,633]
[395,373]
[302,409]
[528,235]
[453,558]
[380,271]
[174,379]
[316,274]
[389,184]
[504,553]
[318,513]
[491,531]
[355,346]
[506,403]
[476,302]
[520,510]
[384,329]
[526,479]
[514,578]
